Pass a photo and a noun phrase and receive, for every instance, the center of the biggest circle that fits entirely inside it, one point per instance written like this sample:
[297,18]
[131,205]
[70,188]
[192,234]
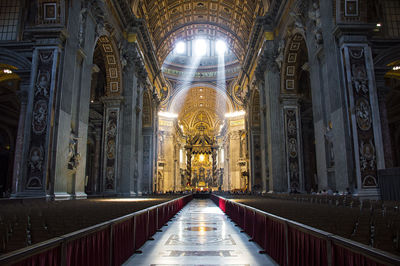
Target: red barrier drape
[160,217]
[306,249]
[152,221]
[90,250]
[259,228]
[242,213]
[249,222]
[275,243]
[49,257]
[221,204]
[94,248]
[346,257]
[123,241]
[140,230]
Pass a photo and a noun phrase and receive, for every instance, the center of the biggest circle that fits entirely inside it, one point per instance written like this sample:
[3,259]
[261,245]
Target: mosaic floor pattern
[200,235]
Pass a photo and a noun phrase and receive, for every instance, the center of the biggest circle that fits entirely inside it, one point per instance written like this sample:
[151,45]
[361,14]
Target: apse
[199,60]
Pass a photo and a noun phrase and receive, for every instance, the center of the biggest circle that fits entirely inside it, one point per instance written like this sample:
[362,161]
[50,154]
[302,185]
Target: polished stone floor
[200,234]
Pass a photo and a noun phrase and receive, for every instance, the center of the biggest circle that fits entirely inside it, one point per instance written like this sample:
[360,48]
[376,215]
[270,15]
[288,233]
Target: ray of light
[221,78]
[187,80]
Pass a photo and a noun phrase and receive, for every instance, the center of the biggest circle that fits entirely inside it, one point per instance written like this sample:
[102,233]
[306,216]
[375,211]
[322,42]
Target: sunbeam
[187,78]
[221,78]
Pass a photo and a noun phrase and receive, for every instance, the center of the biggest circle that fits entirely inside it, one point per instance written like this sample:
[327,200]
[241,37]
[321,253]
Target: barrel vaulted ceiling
[203,105]
[172,20]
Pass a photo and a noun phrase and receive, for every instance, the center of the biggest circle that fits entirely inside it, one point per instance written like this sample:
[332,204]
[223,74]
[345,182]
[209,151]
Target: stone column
[96,166]
[188,164]
[154,141]
[365,120]
[169,161]
[39,113]
[139,140]
[111,145]
[214,165]
[263,140]
[234,157]
[294,154]
[274,123]
[387,141]
[19,145]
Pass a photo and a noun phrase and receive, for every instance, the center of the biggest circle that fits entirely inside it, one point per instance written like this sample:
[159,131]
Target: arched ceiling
[171,20]
[201,105]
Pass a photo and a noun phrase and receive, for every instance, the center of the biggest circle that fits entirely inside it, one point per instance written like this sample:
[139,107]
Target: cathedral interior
[128,98]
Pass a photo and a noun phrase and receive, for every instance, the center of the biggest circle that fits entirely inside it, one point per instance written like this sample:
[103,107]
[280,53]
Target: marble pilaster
[111,147]
[19,145]
[274,123]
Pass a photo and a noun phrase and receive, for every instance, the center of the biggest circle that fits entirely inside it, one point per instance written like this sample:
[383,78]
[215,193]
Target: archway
[95,129]
[192,134]
[9,116]
[101,165]
[298,117]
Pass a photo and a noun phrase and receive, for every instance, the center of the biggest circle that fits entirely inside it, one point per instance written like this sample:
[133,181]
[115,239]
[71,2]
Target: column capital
[289,99]
[112,101]
[267,61]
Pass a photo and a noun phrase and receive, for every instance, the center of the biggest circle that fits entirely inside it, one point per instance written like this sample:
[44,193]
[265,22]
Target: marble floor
[200,234]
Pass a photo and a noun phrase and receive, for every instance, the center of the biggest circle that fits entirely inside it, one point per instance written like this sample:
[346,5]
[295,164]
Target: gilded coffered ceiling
[171,20]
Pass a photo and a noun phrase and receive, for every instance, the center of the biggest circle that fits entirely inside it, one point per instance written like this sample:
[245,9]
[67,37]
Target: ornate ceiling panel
[201,105]
[169,20]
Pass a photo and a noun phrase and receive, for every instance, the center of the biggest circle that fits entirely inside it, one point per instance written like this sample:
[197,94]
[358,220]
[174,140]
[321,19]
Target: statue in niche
[292,147]
[367,155]
[42,84]
[36,159]
[73,155]
[82,22]
[281,50]
[315,15]
[360,79]
[111,128]
[363,114]
[298,21]
[39,122]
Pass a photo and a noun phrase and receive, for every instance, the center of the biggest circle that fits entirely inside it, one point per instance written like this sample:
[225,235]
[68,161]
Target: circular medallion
[363,114]
[368,150]
[39,117]
[292,147]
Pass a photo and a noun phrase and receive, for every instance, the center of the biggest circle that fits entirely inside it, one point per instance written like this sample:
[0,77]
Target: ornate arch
[113,66]
[193,30]
[170,20]
[255,109]
[296,54]
[20,65]
[12,58]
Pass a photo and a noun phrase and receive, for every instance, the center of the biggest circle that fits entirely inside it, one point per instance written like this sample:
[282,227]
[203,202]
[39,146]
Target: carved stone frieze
[129,55]
[111,144]
[82,27]
[292,147]
[315,16]
[73,157]
[41,98]
[360,99]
